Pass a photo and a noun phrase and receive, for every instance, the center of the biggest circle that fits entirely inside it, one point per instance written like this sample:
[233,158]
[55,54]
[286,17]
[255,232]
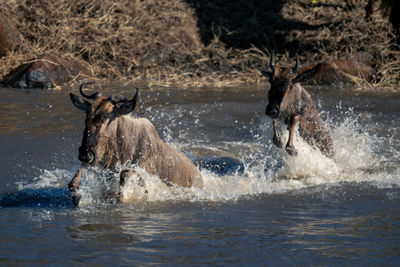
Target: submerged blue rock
[37,197]
[221,165]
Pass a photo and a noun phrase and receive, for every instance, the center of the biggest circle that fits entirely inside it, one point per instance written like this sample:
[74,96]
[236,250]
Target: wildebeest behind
[290,102]
[112,135]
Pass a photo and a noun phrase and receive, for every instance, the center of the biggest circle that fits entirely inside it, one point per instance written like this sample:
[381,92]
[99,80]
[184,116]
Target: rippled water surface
[283,210]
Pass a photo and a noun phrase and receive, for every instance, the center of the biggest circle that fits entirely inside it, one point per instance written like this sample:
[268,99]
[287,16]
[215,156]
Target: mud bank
[199,43]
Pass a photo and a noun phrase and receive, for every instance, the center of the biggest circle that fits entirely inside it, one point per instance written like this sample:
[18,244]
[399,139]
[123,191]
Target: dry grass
[159,41]
[348,34]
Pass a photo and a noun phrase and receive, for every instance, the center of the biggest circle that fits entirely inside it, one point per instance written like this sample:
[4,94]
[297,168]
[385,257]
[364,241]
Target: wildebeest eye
[105,116]
[99,119]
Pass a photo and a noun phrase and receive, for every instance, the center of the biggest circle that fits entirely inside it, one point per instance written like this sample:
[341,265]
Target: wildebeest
[336,70]
[112,135]
[289,101]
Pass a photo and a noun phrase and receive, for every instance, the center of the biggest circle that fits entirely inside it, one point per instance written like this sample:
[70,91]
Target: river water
[283,210]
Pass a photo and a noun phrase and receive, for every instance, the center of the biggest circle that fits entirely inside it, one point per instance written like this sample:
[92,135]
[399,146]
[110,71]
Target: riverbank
[199,43]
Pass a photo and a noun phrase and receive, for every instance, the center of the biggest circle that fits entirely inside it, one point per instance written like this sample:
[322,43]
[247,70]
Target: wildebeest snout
[272,111]
[86,155]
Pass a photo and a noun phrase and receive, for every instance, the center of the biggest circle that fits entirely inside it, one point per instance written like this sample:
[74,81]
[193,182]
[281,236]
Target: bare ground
[200,43]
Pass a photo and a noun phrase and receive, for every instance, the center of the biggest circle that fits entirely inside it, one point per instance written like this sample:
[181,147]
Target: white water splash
[54,178]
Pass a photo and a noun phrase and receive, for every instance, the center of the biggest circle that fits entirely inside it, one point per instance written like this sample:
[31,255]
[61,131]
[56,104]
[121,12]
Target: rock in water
[45,72]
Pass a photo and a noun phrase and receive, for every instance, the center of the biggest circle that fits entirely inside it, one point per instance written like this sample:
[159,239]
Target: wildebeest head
[282,81]
[99,113]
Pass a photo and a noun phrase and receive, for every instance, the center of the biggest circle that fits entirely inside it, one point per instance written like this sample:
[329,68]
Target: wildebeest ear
[80,103]
[267,74]
[304,76]
[127,107]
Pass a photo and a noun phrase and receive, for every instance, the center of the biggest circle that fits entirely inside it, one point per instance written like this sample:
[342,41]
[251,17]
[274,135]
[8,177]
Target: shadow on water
[243,23]
[46,197]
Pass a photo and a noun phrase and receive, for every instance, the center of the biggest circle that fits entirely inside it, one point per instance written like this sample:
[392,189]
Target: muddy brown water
[283,210]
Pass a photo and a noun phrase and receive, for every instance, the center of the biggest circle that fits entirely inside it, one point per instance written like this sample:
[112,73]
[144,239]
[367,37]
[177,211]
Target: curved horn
[136,97]
[296,68]
[272,63]
[93,96]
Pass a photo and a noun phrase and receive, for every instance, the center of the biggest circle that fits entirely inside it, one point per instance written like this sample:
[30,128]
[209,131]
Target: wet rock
[221,165]
[9,35]
[339,70]
[34,197]
[45,72]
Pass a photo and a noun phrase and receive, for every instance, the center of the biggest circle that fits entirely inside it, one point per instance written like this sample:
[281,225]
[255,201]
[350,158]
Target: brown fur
[334,70]
[290,102]
[114,138]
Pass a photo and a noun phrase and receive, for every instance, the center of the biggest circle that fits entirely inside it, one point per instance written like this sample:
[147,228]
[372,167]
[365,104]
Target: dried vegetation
[200,42]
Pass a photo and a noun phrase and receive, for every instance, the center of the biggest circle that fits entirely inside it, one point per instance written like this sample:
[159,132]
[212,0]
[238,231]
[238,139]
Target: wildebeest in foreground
[290,102]
[112,135]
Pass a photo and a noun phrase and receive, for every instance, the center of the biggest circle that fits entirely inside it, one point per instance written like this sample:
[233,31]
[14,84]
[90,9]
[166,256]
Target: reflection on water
[281,210]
